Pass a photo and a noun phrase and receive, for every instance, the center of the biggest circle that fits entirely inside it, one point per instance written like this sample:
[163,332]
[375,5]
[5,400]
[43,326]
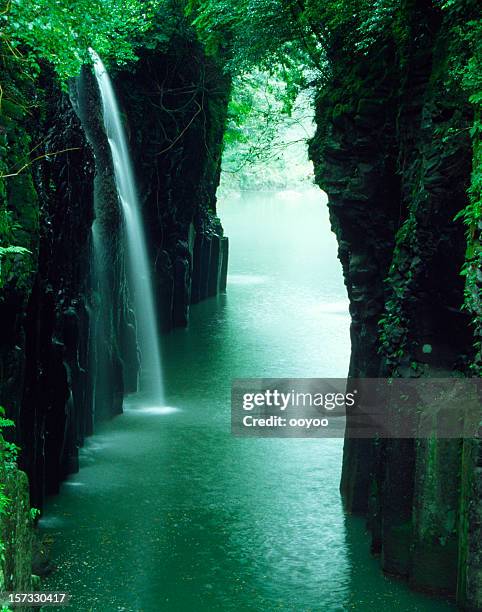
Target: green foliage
[247,31]
[8,465]
[472,218]
[272,56]
[61,31]
[17,200]
[8,459]
[266,135]
[13,264]
[257,104]
[466,72]
[14,260]
[34,513]
[269,34]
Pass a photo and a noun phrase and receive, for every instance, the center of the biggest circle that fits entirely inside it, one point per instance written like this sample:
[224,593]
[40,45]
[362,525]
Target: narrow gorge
[366,267]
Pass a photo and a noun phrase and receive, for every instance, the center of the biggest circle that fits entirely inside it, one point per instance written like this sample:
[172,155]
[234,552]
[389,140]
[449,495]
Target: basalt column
[48,308]
[393,152]
[114,343]
[175,103]
[354,152]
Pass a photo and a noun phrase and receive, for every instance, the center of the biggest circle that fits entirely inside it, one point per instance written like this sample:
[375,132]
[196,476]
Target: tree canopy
[286,35]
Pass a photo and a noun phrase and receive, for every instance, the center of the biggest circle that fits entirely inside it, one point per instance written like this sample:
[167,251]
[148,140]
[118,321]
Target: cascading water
[148,337]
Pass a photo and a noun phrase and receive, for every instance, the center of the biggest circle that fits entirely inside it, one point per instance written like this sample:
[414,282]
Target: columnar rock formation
[393,152]
[68,343]
[176,104]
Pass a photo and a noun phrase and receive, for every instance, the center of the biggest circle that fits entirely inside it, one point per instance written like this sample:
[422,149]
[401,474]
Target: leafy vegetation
[15,258]
[472,217]
[61,31]
[266,136]
[8,464]
[466,70]
[8,458]
[13,263]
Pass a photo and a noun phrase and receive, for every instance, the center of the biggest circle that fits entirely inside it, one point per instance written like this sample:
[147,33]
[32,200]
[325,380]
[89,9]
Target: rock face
[16,535]
[55,412]
[176,104]
[393,152]
[113,337]
[68,350]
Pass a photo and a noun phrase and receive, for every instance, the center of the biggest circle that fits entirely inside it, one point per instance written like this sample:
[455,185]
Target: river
[169,512]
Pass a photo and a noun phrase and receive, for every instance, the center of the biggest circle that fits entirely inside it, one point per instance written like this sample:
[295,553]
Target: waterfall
[148,336]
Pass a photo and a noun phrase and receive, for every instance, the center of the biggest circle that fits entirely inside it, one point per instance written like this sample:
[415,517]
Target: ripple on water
[246,279]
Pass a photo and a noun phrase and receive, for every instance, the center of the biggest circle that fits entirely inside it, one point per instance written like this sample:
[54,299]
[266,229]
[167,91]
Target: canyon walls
[68,350]
[394,153]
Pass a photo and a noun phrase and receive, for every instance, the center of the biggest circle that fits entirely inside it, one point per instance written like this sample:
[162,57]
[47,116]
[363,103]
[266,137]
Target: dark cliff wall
[176,105]
[393,152]
[68,349]
[56,395]
[17,200]
[43,301]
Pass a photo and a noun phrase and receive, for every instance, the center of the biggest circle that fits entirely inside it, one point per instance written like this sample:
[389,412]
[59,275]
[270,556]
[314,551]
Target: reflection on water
[175,513]
[155,410]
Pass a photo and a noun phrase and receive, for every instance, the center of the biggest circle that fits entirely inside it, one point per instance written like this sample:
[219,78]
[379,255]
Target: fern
[13,250]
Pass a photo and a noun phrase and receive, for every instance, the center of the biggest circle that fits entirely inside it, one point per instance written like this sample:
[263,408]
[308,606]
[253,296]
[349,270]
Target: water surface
[169,512]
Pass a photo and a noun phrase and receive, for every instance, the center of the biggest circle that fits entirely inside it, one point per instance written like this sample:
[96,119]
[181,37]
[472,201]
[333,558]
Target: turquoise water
[170,512]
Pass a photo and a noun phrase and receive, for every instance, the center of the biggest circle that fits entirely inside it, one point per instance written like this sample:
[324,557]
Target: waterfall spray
[148,336]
